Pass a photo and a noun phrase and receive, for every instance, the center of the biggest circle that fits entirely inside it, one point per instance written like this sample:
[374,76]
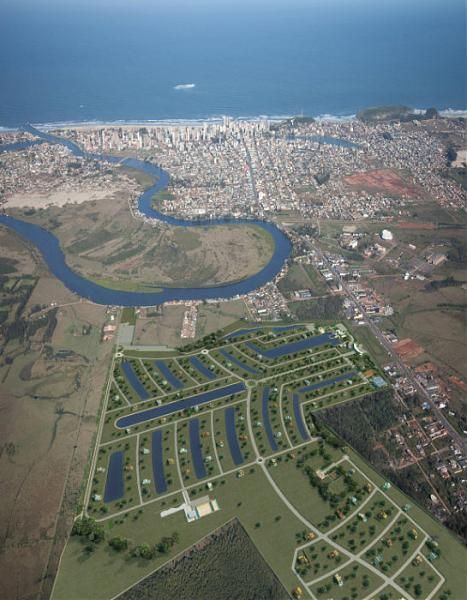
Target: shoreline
[200,122]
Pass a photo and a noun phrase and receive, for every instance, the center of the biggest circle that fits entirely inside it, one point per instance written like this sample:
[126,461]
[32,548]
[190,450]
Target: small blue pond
[197,364]
[167,374]
[299,419]
[292,347]
[266,420]
[240,332]
[326,382]
[232,439]
[134,381]
[114,483]
[195,447]
[233,359]
[158,462]
[185,403]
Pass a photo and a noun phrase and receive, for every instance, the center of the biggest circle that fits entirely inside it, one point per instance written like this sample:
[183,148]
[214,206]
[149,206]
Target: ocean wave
[335,118]
[8,129]
[208,119]
[188,122]
[453,112]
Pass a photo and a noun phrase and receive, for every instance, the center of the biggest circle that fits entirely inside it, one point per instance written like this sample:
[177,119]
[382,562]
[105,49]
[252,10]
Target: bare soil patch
[387,181]
[408,349]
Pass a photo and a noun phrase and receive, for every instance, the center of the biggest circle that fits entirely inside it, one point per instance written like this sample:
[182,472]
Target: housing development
[227,430]
[305,437]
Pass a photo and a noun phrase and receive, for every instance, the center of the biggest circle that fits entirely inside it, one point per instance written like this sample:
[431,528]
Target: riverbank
[49,246]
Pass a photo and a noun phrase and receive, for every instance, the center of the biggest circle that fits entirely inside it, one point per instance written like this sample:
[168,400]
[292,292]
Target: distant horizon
[82,62]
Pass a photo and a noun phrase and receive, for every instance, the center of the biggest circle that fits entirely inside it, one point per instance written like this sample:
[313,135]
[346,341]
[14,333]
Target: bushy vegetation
[225,566]
[89,532]
[359,422]
[318,309]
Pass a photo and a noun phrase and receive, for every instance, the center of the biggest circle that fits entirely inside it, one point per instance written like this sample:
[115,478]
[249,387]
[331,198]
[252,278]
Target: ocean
[82,61]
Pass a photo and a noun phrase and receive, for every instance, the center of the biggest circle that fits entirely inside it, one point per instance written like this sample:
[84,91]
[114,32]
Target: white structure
[194,509]
[387,235]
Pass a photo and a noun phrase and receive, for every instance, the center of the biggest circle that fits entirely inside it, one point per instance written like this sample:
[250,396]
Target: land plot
[220,439]
[239,443]
[296,428]
[390,181]
[293,347]
[173,375]
[196,369]
[158,378]
[264,332]
[238,364]
[212,366]
[387,593]
[185,456]
[148,462]
[98,507]
[160,327]
[133,381]
[321,501]
[212,317]
[268,430]
[353,581]
[367,526]
[186,404]
[116,399]
[419,579]
[318,559]
[312,361]
[397,545]
[342,392]
[195,450]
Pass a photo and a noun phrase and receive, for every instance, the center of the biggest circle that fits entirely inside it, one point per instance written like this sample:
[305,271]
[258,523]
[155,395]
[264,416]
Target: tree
[142,551]
[118,543]
[88,530]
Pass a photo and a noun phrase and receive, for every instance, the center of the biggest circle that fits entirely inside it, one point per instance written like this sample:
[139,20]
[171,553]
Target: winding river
[49,246]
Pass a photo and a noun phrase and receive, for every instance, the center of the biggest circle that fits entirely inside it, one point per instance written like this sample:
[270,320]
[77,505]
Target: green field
[314,510]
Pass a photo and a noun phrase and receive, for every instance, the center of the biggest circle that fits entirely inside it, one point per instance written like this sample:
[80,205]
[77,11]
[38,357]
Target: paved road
[406,371]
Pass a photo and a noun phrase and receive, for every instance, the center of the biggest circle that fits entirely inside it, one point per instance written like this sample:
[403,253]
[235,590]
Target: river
[49,247]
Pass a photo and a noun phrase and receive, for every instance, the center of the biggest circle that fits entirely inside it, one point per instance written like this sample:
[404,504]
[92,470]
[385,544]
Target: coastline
[448,113]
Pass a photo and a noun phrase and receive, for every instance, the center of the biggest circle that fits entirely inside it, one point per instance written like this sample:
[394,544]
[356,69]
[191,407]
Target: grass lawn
[365,527]
[104,573]
[390,552]
[357,582]
[318,559]
[295,484]
[97,508]
[418,579]
[364,337]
